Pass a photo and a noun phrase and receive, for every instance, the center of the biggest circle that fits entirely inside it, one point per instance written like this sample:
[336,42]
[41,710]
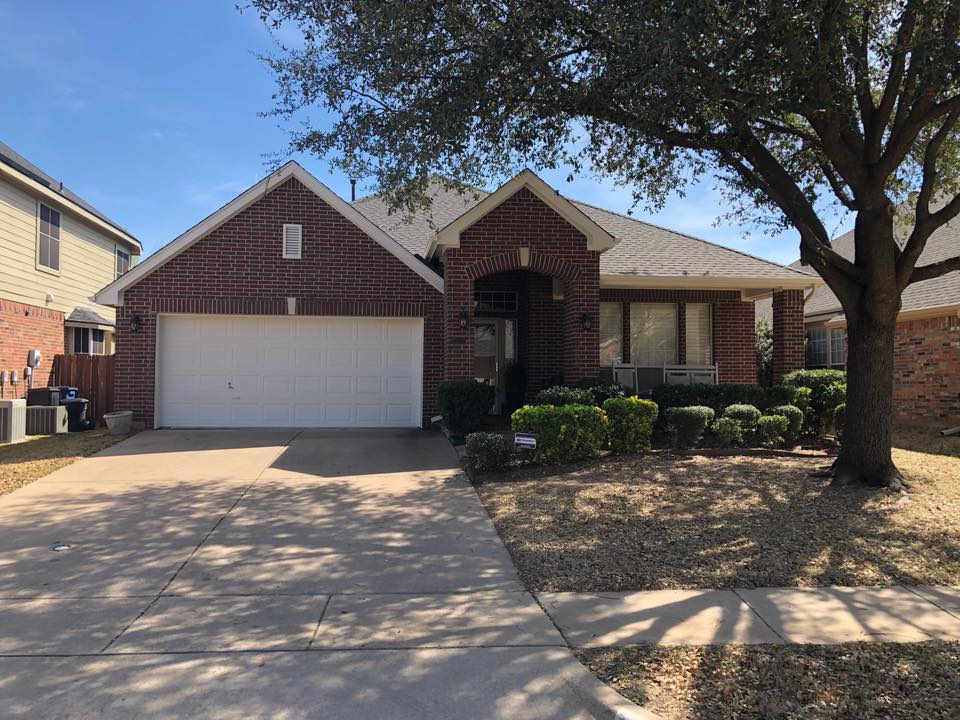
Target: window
[87,341]
[123,262]
[48,238]
[838,354]
[292,242]
[699,334]
[611,333]
[653,334]
[818,351]
[494,301]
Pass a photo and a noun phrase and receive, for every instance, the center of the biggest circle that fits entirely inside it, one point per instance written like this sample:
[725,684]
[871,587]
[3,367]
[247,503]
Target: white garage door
[253,371]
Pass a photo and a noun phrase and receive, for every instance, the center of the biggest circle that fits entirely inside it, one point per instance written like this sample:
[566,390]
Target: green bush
[728,432]
[771,429]
[794,416]
[602,390]
[801,398]
[827,390]
[488,452]
[630,423]
[780,395]
[814,379]
[463,404]
[716,397]
[561,395]
[746,415]
[687,424]
[839,419]
[834,395]
[564,433]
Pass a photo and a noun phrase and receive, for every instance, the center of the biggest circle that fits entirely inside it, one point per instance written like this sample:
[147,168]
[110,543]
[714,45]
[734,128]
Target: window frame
[87,336]
[40,236]
[635,347]
[116,255]
[709,333]
[826,348]
[619,306]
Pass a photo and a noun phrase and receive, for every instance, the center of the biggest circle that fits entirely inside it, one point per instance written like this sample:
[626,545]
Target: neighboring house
[57,252]
[290,306]
[927,343]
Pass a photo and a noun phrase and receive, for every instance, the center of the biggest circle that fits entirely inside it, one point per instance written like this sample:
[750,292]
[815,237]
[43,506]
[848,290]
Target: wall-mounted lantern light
[464,318]
[586,322]
[135,323]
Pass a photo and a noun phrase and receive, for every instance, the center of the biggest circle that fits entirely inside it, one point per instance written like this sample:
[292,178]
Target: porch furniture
[690,374]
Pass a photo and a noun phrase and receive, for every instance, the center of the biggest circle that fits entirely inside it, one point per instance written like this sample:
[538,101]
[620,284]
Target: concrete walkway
[274,573]
[763,615]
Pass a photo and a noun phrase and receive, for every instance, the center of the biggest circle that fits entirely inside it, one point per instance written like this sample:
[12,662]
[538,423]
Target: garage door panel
[276,371]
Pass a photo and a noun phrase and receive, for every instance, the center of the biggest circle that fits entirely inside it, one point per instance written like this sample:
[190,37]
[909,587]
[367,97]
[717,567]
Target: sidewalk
[750,616]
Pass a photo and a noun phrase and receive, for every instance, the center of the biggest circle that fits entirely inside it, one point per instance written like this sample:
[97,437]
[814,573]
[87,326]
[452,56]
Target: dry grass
[668,521]
[865,681]
[25,462]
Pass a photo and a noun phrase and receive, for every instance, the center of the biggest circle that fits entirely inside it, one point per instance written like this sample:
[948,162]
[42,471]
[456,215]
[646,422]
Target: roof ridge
[691,237]
[374,196]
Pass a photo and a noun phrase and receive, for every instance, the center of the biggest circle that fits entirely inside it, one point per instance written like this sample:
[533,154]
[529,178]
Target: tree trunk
[865,454]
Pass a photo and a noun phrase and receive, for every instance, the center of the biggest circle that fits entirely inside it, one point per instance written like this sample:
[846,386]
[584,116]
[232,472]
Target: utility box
[42,396]
[46,420]
[13,420]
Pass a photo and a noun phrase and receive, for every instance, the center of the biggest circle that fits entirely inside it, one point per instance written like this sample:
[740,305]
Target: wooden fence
[92,375]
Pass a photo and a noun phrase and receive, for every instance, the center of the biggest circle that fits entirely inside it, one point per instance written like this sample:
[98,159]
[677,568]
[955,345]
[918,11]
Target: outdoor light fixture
[464,318]
[135,322]
[586,321]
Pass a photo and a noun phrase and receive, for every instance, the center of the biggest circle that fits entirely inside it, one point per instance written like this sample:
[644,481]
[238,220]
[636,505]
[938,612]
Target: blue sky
[149,111]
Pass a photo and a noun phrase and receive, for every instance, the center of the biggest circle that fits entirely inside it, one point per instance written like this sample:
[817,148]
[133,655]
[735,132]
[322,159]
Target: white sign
[527,441]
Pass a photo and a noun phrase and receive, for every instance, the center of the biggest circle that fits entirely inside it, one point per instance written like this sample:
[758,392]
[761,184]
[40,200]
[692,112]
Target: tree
[792,105]
[763,347]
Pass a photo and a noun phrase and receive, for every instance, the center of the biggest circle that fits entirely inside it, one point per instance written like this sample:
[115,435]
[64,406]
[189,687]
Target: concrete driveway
[271,573]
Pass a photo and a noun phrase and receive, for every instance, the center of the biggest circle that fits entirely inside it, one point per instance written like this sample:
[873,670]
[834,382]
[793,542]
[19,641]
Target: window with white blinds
[611,333]
[699,334]
[292,241]
[653,334]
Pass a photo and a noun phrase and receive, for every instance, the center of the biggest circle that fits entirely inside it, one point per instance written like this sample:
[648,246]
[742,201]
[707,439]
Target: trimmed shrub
[801,398]
[716,397]
[833,396]
[463,404]
[794,416]
[746,415]
[771,428]
[602,390]
[780,395]
[488,452]
[564,433]
[814,379]
[687,424]
[727,432]
[827,390]
[630,423]
[839,418]
[561,395]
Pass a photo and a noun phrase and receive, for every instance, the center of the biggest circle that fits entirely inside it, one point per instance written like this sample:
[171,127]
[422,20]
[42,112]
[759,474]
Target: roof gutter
[33,186]
[709,282]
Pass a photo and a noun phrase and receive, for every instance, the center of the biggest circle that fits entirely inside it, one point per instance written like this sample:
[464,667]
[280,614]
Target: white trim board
[112,294]
[598,239]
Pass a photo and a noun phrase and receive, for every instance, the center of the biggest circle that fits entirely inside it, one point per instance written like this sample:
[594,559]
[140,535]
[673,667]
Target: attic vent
[292,241]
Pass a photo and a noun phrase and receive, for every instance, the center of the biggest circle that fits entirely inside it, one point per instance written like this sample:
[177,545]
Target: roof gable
[598,239]
[112,294]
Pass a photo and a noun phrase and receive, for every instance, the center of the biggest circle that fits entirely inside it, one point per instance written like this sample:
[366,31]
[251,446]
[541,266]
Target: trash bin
[77,414]
[67,393]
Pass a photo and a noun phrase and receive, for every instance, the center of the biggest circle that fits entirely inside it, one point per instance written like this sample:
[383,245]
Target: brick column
[457,298]
[788,335]
[581,351]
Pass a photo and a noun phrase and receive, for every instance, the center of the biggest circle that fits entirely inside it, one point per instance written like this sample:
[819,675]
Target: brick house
[290,306]
[57,251]
[926,389]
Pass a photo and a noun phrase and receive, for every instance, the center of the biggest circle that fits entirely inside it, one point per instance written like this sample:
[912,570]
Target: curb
[600,700]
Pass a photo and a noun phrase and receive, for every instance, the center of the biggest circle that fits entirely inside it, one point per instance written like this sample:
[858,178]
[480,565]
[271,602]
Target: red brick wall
[788,332]
[557,249]
[733,326]
[24,328]
[238,269]
[926,372]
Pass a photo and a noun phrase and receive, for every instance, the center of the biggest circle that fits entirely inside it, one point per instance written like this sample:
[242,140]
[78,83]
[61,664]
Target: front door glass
[485,353]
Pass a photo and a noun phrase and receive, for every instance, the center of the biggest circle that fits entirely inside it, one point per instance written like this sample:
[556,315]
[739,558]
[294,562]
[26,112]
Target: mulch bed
[662,520]
[22,463]
[861,681]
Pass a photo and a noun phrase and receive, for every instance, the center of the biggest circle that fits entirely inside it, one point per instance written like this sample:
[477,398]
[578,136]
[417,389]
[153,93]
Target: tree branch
[935,270]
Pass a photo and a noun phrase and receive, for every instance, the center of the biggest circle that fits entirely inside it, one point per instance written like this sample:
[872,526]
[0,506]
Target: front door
[494,348]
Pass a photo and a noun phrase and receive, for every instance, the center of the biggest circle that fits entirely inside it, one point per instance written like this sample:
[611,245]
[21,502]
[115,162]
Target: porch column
[788,335]
[457,299]
[581,351]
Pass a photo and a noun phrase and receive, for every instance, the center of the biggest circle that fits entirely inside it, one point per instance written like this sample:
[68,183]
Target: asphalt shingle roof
[11,158]
[85,315]
[642,250]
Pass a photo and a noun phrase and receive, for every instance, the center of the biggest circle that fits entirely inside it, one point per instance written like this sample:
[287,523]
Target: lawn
[695,521]
[22,463]
[866,681]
